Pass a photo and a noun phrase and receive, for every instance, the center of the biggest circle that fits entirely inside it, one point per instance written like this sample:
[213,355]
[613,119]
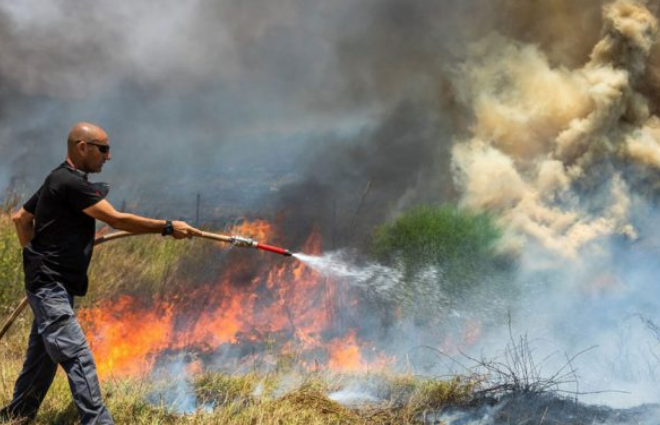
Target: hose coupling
[243,242]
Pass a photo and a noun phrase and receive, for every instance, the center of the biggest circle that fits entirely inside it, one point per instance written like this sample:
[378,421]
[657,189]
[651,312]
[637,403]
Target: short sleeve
[81,194]
[31,204]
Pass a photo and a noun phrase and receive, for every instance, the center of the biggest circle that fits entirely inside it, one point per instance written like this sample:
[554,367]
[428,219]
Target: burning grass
[174,297]
[149,267]
[258,399]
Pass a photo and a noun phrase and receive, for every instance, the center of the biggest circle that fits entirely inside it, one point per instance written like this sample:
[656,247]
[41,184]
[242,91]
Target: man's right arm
[24,222]
[133,223]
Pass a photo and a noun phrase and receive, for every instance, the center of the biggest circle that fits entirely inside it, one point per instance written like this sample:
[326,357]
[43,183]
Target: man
[56,228]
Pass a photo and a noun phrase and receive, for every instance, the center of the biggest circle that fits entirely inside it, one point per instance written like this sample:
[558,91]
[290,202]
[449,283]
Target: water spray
[238,241]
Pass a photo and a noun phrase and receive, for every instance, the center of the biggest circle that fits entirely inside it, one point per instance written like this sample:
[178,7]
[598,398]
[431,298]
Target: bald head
[86,132]
[93,153]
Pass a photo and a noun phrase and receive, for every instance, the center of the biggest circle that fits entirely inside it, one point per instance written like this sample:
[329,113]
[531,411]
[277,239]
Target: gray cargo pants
[56,338]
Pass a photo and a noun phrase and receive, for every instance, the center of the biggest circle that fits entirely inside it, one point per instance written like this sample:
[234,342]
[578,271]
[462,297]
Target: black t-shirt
[64,235]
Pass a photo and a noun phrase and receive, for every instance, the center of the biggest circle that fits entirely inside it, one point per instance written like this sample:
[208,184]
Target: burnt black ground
[545,409]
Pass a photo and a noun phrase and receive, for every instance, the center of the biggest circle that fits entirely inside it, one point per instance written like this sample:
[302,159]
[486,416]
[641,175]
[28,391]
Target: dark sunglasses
[104,149]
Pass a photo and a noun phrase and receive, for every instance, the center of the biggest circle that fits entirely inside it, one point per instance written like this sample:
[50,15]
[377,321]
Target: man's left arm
[24,222]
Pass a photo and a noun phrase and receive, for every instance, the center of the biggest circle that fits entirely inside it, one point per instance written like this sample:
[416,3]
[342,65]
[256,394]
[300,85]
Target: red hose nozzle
[251,243]
[274,249]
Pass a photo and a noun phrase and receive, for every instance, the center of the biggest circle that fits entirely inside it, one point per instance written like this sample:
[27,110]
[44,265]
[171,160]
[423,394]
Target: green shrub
[461,243]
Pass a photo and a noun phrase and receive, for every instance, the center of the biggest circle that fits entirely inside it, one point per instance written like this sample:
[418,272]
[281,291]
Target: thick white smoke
[549,145]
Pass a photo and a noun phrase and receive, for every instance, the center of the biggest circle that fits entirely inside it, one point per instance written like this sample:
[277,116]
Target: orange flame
[287,301]
[126,337]
[345,354]
[281,305]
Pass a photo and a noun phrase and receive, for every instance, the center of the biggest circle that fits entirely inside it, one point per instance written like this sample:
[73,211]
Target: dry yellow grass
[255,399]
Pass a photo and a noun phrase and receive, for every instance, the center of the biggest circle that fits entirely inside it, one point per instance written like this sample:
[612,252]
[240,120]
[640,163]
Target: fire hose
[238,241]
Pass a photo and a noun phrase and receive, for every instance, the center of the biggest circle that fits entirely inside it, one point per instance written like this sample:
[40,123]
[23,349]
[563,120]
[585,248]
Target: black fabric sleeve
[81,194]
[31,204]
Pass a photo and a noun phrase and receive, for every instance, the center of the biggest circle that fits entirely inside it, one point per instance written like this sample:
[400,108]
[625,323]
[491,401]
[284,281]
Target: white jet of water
[337,264]
[333,264]
[391,283]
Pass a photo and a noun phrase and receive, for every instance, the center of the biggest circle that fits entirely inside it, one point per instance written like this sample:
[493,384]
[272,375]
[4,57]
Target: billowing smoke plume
[528,111]
[551,147]
[566,154]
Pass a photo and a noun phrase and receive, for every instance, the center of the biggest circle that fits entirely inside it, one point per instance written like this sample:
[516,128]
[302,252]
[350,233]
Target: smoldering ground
[543,112]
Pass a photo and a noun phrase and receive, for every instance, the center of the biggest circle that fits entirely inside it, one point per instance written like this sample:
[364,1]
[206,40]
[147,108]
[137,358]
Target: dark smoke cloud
[358,182]
[198,94]
[191,90]
[174,84]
